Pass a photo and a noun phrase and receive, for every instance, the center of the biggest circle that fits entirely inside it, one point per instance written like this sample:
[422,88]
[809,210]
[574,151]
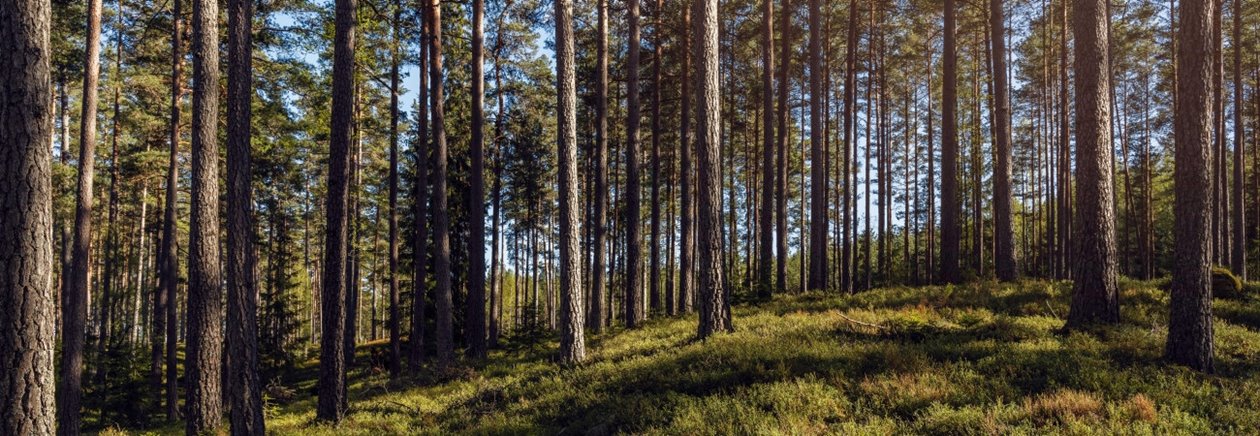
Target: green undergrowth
[983,358]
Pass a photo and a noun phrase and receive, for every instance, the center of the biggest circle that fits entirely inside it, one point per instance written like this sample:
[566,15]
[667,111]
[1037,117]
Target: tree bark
[687,251]
[817,190]
[475,319]
[395,314]
[1095,297]
[595,314]
[78,286]
[766,233]
[1190,305]
[781,212]
[1003,228]
[1238,260]
[850,106]
[27,335]
[951,230]
[164,311]
[420,252]
[244,386]
[634,230]
[205,280]
[572,342]
[444,338]
[654,250]
[332,359]
[715,309]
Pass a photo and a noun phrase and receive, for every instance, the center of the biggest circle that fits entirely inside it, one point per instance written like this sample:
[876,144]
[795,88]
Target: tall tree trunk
[766,232]
[1220,243]
[1238,260]
[850,107]
[654,250]
[595,315]
[475,318]
[1003,228]
[420,252]
[75,294]
[572,342]
[205,281]
[27,330]
[444,337]
[951,229]
[168,259]
[1064,182]
[686,257]
[332,359]
[395,315]
[244,385]
[1190,305]
[715,309]
[634,230]
[817,190]
[1095,297]
[781,218]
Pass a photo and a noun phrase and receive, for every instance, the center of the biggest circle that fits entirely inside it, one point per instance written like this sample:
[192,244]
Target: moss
[984,358]
[1225,284]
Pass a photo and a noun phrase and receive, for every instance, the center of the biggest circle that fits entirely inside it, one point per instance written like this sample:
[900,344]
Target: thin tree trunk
[817,190]
[850,107]
[1003,228]
[950,226]
[332,364]
[74,304]
[168,263]
[654,250]
[781,223]
[686,257]
[420,252]
[395,315]
[475,318]
[1239,257]
[595,315]
[765,256]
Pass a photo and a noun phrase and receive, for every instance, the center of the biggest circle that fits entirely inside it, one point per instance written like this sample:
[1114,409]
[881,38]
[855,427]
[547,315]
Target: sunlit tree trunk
[634,231]
[27,338]
[1190,321]
[572,342]
[715,309]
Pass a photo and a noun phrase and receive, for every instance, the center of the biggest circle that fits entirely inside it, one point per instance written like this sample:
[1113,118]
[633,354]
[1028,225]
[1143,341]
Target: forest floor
[983,358]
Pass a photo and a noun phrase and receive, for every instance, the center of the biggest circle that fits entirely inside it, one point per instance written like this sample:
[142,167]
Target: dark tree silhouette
[951,228]
[1004,235]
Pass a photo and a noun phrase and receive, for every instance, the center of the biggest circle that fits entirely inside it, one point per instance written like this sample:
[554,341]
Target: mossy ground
[983,358]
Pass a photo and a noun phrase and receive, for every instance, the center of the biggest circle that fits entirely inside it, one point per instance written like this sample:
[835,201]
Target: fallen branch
[1048,306]
[846,318]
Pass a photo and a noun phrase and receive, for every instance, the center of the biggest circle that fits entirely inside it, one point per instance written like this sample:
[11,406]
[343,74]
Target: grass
[984,358]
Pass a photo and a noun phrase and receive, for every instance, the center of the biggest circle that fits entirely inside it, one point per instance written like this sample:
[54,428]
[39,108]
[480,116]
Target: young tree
[634,230]
[244,384]
[765,260]
[1003,228]
[951,228]
[818,175]
[715,309]
[1190,305]
[332,353]
[572,343]
[27,338]
[1095,297]
[595,308]
[76,287]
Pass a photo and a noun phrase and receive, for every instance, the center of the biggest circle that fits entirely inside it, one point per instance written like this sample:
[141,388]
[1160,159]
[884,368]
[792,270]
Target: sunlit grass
[985,358]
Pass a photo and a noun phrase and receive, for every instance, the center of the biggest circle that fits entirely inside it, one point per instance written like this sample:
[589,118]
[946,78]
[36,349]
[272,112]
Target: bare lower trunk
[27,338]
[715,310]
[634,231]
[572,342]
[1190,320]
[951,229]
